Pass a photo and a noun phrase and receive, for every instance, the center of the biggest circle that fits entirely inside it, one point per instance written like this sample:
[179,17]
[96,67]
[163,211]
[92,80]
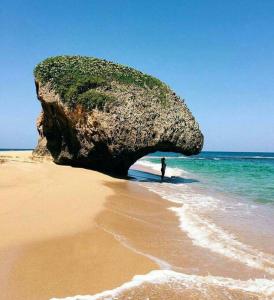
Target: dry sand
[70,231]
[51,244]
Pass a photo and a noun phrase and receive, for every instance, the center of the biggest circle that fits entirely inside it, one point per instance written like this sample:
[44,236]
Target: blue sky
[218,55]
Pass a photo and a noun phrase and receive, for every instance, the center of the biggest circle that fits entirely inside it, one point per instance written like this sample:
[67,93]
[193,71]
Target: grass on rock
[75,78]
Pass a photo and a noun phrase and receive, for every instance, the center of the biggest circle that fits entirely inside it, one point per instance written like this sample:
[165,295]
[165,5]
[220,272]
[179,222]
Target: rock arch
[109,123]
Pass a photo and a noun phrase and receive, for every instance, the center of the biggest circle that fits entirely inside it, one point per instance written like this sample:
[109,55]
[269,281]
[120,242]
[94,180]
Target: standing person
[163,168]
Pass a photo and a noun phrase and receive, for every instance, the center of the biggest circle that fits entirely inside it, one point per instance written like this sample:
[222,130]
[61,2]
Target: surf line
[259,287]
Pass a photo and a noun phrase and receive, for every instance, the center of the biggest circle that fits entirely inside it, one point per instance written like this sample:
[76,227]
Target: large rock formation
[105,116]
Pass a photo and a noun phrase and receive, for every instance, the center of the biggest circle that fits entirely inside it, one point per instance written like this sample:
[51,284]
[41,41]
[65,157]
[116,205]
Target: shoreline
[122,229]
[51,245]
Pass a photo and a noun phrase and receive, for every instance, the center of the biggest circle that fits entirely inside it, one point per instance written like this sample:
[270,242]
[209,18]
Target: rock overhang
[105,116]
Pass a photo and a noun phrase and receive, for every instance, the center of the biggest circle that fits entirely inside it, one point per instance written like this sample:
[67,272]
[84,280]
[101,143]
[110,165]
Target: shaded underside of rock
[105,116]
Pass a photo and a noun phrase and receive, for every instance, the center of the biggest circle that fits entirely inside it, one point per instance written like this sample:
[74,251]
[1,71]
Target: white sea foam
[200,229]
[204,233]
[248,157]
[260,287]
[169,157]
[258,157]
[207,235]
[215,158]
[157,167]
[161,263]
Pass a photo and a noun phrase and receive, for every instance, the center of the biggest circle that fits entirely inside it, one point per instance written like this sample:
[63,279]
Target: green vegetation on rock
[92,98]
[76,79]
[82,92]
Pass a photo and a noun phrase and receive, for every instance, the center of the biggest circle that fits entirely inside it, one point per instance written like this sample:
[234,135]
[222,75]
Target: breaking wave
[203,285]
[203,231]
[192,213]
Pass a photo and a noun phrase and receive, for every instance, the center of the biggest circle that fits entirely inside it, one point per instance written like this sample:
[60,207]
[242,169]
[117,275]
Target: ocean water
[15,149]
[222,245]
[246,174]
[227,202]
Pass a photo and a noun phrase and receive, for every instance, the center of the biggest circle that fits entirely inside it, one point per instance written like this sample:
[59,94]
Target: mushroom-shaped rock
[105,116]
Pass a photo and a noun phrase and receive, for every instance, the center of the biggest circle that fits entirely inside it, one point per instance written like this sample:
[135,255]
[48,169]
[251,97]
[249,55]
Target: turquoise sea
[226,201]
[245,174]
[212,239]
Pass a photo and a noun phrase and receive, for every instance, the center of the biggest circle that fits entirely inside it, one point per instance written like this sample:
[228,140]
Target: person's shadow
[142,176]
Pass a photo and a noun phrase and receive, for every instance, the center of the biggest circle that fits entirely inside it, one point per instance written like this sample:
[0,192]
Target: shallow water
[211,235]
[208,204]
[246,174]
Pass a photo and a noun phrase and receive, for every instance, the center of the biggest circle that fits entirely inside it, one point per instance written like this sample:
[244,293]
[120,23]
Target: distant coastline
[203,151]
[16,149]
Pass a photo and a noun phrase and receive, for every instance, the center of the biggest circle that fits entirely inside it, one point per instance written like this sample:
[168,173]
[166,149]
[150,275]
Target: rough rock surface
[143,116]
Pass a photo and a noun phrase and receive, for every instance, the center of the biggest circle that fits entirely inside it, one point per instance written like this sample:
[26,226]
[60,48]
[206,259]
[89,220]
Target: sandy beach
[70,231]
[51,245]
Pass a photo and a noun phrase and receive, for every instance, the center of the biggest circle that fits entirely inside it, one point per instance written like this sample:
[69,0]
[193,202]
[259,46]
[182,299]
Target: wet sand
[69,231]
[50,243]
